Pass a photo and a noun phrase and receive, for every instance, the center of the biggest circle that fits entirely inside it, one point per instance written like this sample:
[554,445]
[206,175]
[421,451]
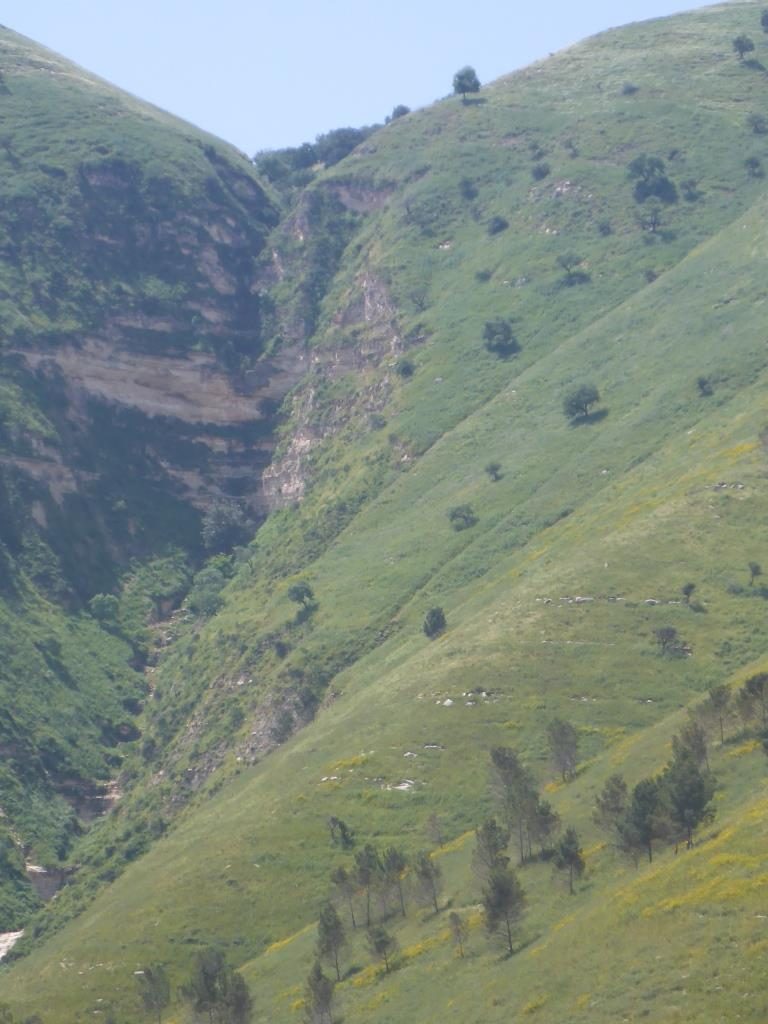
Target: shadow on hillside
[754,64]
[474,101]
[592,417]
[304,612]
[575,277]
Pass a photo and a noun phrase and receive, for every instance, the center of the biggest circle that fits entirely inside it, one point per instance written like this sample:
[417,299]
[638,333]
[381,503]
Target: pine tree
[491,842]
[382,945]
[564,745]
[644,818]
[569,857]
[515,792]
[216,991]
[503,903]
[318,996]
[331,937]
[154,989]
[394,864]
[611,808]
[459,931]
[689,792]
[344,890]
[367,873]
[429,879]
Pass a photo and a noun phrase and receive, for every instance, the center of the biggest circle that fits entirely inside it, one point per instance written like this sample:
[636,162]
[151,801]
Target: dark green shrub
[434,622]
[499,339]
[462,517]
[467,189]
[497,224]
[754,166]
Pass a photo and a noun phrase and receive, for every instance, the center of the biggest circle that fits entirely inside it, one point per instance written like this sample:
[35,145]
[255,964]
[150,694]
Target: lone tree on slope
[563,745]
[465,80]
[578,402]
[301,593]
[743,44]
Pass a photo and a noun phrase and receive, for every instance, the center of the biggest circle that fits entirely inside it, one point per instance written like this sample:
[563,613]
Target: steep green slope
[129,245]
[667,487]
[390,378]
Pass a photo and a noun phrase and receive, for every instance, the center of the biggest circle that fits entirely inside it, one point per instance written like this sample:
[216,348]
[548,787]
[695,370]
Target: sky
[271,73]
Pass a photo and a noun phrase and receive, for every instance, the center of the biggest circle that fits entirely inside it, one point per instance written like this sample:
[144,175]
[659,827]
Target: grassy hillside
[108,209]
[664,484]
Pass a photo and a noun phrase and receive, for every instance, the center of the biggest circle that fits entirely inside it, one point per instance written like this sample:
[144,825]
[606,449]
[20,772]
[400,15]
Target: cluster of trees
[375,887]
[723,709]
[379,884]
[667,807]
[526,821]
[650,178]
[293,165]
[213,991]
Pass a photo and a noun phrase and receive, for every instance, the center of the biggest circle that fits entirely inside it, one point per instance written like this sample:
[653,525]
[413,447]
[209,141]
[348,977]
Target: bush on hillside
[462,517]
[499,339]
[434,622]
[497,224]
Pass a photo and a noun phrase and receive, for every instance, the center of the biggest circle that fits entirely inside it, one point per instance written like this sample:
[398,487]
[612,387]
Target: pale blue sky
[271,73]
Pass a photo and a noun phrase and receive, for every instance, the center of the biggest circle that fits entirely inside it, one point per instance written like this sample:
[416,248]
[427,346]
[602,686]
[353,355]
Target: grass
[623,511]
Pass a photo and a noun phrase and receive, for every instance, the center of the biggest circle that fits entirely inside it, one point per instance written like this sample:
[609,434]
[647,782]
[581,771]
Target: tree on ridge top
[465,80]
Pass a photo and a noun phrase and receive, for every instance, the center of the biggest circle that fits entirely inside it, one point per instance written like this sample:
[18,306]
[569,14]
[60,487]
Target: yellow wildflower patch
[534,1004]
[744,748]
[282,943]
[454,845]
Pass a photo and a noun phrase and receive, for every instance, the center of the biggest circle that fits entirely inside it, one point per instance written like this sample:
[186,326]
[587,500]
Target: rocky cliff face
[135,388]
